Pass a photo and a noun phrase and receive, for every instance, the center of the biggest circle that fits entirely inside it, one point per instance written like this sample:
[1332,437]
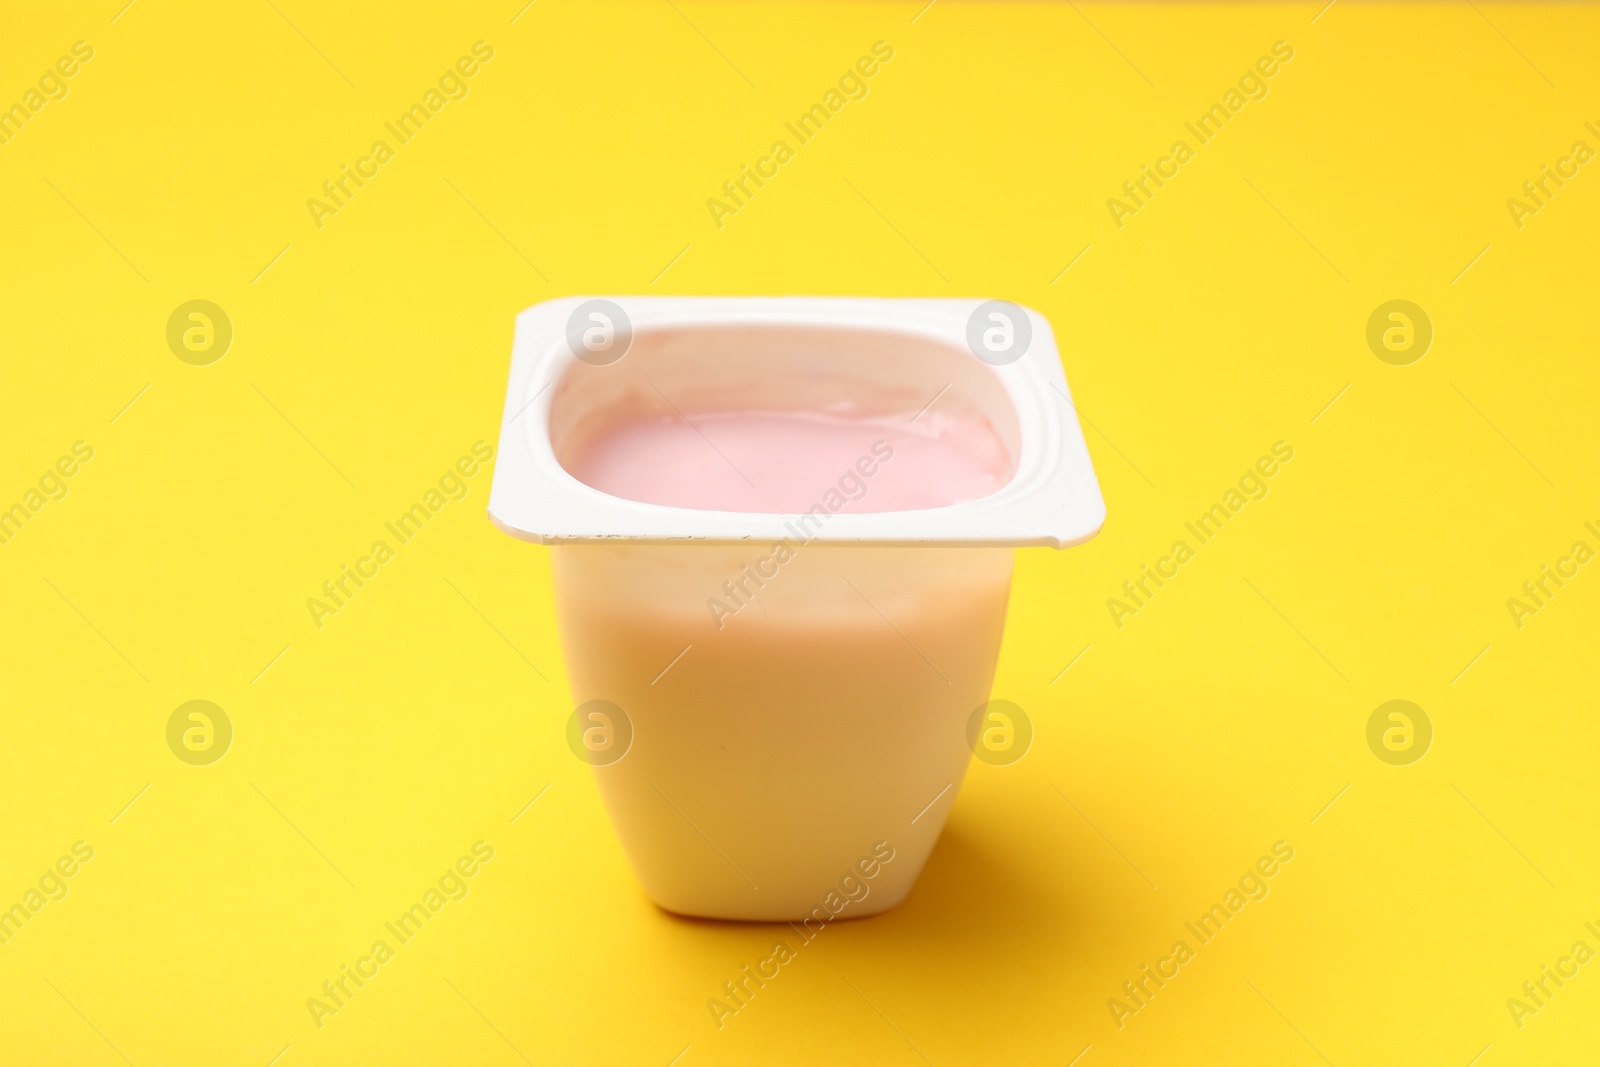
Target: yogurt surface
[788,461]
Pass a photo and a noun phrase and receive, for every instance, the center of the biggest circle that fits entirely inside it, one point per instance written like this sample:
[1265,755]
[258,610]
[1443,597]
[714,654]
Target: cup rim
[1053,498]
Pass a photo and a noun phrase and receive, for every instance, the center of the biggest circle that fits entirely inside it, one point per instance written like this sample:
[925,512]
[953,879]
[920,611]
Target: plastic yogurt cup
[775,700]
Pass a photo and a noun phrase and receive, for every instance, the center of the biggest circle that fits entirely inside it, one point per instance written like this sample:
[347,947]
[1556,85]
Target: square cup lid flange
[1052,500]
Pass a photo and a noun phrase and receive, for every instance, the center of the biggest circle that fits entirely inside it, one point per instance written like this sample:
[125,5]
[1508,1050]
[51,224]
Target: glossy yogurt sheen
[791,461]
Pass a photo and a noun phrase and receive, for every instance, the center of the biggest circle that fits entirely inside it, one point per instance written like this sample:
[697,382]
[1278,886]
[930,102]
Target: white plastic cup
[767,725]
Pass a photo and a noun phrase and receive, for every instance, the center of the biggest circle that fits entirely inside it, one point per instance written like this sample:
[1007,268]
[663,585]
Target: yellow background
[1223,317]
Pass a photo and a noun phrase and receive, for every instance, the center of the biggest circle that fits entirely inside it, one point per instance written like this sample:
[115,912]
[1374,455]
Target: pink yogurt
[788,461]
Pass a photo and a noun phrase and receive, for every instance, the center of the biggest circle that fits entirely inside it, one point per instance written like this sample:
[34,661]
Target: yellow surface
[1224,716]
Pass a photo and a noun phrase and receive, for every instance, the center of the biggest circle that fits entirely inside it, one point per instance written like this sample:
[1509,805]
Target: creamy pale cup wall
[799,733]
